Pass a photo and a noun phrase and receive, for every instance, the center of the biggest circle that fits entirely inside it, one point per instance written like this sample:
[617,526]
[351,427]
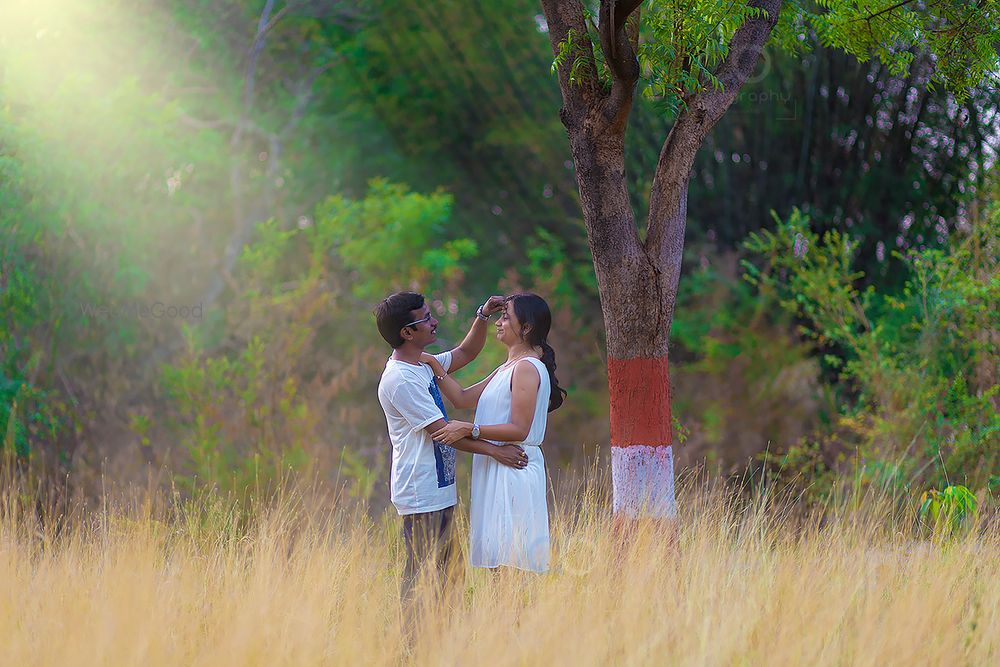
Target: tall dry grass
[305,580]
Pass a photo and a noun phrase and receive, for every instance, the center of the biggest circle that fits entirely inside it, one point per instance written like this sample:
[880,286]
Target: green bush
[916,371]
[277,382]
[947,511]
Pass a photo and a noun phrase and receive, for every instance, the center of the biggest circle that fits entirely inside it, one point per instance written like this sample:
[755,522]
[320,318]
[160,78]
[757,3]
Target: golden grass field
[307,582]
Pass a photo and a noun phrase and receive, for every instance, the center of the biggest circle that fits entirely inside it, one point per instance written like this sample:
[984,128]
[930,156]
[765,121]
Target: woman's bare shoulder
[526,369]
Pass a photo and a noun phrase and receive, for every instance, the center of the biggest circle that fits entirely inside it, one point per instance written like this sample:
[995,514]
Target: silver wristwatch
[475,431]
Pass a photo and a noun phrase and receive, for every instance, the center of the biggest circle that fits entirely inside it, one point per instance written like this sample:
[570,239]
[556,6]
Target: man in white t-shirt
[422,477]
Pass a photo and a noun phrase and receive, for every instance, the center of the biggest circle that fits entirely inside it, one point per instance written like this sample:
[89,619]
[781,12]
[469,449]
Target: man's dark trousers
[429,539]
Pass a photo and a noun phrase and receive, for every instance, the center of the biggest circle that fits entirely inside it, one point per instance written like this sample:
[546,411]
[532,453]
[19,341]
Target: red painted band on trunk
[640,402]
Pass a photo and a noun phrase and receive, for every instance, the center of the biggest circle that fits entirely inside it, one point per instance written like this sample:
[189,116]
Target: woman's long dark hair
[532,311]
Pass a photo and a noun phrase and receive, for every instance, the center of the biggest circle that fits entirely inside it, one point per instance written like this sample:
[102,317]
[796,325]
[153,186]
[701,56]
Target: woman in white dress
[509,523]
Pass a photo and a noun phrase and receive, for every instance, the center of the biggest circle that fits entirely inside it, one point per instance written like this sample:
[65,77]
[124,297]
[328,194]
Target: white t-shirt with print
[422,478]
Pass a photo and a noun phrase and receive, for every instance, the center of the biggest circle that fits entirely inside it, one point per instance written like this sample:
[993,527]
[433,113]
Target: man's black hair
[394,312]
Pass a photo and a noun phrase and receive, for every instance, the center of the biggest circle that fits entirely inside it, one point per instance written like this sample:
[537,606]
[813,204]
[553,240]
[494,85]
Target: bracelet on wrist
[481,315]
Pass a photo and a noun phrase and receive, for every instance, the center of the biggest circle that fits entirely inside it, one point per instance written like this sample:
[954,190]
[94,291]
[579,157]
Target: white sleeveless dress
[509,521]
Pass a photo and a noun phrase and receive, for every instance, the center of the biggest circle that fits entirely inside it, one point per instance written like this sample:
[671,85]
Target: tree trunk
[637,279]
[637,295]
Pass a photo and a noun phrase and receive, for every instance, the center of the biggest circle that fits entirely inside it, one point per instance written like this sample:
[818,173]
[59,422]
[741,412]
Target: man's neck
[407,353]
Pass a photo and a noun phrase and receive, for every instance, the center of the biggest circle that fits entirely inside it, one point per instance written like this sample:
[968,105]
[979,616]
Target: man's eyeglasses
[420,321]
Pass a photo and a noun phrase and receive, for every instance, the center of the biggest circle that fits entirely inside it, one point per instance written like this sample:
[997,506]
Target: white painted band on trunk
[643,481]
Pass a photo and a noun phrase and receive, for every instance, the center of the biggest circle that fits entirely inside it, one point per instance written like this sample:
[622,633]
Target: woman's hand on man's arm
[453,431]
[432,361]
[461,398]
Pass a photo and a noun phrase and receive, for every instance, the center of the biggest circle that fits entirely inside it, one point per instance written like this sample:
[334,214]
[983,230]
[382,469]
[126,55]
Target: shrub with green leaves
[395,239]
[948,510]
[276,382]
[917,370]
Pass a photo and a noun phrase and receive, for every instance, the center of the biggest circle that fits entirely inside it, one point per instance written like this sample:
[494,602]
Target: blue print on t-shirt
[444,455]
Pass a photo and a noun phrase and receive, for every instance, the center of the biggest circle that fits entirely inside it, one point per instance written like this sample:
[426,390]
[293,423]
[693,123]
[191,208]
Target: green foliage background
[147,158]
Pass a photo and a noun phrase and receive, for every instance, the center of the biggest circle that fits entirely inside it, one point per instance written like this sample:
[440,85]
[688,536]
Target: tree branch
[620,54]
[668,194]
[201,124]
[620,10]
[250,78]
[347,17]
[305,95]
[565,18]
[701,113]
[887,10]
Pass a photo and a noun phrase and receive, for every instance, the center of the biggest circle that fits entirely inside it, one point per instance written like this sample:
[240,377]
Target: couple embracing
[508,523]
